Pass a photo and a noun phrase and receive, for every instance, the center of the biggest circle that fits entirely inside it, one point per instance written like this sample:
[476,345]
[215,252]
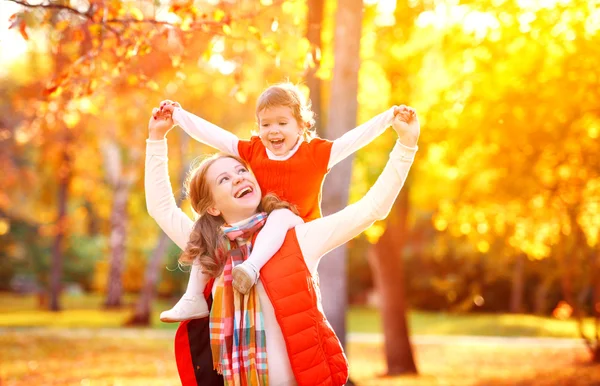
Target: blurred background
[487,269]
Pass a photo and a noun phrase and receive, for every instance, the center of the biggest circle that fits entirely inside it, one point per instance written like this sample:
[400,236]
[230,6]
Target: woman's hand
[159,125]
[406,124]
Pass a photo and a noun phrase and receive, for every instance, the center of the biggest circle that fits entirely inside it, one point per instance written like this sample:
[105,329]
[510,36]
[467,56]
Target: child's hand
[168,106]
[159,125]
[406,124]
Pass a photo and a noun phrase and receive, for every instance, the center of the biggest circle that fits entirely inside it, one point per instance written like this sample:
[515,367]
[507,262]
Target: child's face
[278,129]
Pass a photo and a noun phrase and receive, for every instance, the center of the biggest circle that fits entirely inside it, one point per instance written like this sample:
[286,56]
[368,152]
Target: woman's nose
[237,179]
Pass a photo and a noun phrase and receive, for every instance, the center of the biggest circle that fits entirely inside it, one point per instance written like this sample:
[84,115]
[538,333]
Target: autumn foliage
[503,201]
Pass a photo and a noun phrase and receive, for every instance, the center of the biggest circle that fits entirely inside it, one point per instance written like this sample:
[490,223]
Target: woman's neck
[242,221]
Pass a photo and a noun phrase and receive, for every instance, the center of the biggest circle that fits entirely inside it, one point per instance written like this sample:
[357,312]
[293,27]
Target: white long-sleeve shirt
[223,140]
[315,238]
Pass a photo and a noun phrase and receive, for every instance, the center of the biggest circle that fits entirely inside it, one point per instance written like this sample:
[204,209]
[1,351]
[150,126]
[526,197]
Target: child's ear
[213,211]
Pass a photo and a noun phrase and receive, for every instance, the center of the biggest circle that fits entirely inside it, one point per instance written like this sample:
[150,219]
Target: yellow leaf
[136,13]
[152,85]
[219,15]
[132,80]
[226,29]
[62,25]
[374,232]
[71,119]
[95,29]
[241,96]
[176,61]
[4,226]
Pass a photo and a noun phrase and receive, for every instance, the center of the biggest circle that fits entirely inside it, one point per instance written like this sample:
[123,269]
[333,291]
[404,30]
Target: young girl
[287,159]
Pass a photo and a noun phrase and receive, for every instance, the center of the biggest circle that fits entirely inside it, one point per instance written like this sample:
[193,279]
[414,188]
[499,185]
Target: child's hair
[207,242]
[289,95]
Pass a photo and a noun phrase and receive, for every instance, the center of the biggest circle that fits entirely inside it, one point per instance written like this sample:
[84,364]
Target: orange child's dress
[298,180]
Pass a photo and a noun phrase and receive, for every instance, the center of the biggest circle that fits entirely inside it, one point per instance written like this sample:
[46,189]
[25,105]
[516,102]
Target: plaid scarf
[237,331]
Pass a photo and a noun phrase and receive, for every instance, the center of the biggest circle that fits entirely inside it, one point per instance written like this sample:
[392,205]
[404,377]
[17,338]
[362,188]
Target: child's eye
[265,125]
[283,123]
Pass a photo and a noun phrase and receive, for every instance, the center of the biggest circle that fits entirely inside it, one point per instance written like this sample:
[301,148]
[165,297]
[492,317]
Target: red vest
[315,353]
[297,180]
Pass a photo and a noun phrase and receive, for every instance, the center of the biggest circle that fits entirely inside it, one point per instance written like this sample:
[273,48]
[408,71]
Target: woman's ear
[213,211]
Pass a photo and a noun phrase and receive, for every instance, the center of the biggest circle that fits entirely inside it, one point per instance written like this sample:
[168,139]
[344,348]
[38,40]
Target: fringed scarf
[237,331]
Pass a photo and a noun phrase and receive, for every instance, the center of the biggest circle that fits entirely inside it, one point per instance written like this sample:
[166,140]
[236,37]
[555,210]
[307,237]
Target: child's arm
[360,136]
[271,237]
[202,130]
[322,235]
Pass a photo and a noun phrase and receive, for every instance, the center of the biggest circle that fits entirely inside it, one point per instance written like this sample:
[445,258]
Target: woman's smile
[244,192]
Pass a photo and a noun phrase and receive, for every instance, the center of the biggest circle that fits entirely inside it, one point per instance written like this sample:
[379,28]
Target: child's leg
[192,304]
[267,243]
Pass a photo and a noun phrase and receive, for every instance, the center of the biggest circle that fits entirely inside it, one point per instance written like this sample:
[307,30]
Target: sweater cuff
[177,115]
[389,116]
[403,152]
[156,147]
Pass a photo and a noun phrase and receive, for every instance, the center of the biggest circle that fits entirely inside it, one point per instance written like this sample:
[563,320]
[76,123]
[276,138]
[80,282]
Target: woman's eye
[242,170]
[223,180]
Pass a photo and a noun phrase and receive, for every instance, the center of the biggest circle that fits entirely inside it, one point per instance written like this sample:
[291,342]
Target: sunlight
[12,44]
[447,14]
[385,12]
[532,5]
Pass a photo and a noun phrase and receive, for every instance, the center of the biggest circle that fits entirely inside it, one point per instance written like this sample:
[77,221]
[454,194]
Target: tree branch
[61,7]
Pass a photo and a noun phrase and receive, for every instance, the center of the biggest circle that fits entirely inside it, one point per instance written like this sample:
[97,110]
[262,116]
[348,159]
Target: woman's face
[235,191]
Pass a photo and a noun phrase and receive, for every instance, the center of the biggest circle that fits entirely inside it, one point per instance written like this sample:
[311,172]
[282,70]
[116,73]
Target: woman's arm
[322,235]
[204,131]
[318,237]
[160,201]
[360,136]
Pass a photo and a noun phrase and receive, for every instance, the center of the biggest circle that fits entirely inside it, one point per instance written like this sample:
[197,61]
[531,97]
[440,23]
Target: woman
[281,319]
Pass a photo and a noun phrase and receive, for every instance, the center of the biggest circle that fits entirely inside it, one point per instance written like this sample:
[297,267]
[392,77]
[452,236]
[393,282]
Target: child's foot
[188,307]
[244,277]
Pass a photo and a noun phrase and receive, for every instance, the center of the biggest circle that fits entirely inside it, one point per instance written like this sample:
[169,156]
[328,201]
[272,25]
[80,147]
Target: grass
[60,355]
[51,359]
[368,320]
[86,311]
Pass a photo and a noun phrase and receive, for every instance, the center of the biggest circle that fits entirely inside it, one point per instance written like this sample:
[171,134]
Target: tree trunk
[566,281]
[541,297]
[313,34]
[143,307]
[64,175]
[64,179]
[386,262]
[518,285]
[341,117]
[595,279]
[117,246]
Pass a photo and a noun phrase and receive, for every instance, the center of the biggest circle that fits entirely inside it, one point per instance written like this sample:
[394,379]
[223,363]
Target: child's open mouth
[277,144]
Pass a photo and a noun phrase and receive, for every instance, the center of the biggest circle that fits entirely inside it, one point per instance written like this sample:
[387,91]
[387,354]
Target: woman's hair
[289,95]
[207,242]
